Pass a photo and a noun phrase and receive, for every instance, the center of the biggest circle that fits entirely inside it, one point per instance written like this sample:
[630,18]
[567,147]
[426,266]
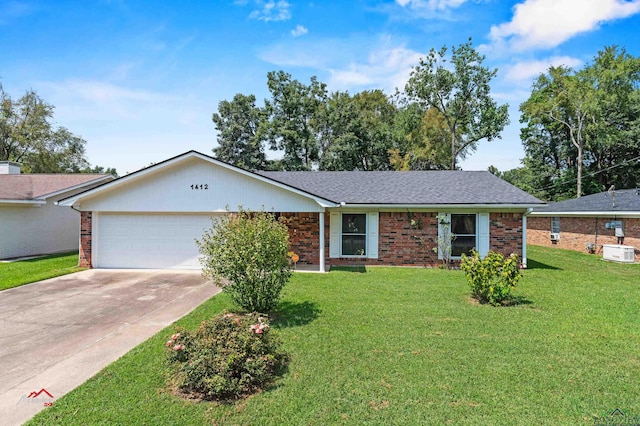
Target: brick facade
[577,232]
[85,240]
[505,233]
[399,242]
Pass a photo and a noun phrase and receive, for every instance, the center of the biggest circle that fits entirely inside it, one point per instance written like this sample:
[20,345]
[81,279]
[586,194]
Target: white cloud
[431,4]
[299,30]
[526,70]
[272,11]
[102,92]
[387,68]
[548,23]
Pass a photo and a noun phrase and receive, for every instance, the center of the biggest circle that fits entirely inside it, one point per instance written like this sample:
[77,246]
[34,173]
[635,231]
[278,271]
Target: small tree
[246,253]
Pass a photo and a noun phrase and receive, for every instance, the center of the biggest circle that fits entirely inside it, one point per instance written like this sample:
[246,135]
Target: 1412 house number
[200,186]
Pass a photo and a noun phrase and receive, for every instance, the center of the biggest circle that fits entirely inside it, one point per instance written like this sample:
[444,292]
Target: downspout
[524,237]
[321,225]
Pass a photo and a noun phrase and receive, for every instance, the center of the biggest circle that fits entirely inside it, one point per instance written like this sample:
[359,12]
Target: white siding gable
[169,189]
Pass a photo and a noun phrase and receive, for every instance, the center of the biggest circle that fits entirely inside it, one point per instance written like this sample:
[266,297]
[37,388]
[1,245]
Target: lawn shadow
[356,268]
[289,314]
[532,264]
[517,301]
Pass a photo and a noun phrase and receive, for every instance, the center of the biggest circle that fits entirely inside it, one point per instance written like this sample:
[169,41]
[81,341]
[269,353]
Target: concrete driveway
[55,334]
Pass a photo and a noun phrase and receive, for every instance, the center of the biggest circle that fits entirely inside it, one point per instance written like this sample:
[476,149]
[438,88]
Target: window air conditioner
[555,236]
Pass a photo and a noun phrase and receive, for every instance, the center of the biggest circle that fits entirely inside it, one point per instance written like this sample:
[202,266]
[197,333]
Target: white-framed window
[458,233]
[353,234]
[463,234]
[353,237]
[555,225]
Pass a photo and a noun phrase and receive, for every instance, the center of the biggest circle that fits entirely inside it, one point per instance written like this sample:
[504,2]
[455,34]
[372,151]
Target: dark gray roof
[412,187]
[624,200]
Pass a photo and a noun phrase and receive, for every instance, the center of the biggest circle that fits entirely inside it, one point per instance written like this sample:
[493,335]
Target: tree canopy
[581,129]
[439,121]
[29,137]
[461,94]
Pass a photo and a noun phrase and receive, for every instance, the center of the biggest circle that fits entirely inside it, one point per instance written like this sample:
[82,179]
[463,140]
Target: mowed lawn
[408,346]
[14,274]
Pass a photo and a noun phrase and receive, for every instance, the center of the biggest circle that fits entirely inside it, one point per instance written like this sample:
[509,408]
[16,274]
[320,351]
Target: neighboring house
[150,218]
[30,223]
[587,223]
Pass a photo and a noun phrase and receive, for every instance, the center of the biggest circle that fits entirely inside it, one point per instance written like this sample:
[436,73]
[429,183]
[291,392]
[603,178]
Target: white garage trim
[147,241]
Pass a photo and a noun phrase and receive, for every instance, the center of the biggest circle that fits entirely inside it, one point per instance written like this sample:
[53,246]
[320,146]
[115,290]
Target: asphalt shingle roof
[624,200]
[411,187]
[34,186]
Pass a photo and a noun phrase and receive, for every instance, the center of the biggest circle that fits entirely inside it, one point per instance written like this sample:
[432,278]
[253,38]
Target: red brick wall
[304,236]
[399,243]
[85,240]
[505,233]
[577,232]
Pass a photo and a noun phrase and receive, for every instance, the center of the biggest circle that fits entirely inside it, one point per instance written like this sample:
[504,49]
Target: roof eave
[78,186]
[18,203]
[586,213]
[441,206]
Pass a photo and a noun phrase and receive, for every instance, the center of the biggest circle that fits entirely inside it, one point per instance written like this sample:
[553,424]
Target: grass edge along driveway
[20,272]
[408,346]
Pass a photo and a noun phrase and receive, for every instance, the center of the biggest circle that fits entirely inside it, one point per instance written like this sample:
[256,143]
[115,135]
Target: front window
[463,232]
[555,225]
[354,234]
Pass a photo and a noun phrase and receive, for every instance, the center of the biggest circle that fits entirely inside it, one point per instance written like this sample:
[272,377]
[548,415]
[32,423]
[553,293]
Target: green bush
[246,254]
[491,279]
[227,357]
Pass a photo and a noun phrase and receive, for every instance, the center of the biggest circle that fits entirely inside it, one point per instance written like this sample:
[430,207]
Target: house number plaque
[200,186]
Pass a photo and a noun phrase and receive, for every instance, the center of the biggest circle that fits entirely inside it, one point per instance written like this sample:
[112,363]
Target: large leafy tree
[458,88]
[582,128]
[425,140]
[241,126]
[293,112]
[28,136]
[358,131]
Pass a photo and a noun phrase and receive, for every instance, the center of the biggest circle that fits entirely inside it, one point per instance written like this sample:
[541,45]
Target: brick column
[85,240]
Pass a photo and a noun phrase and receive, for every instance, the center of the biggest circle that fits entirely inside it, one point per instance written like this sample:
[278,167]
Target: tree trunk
[579,190]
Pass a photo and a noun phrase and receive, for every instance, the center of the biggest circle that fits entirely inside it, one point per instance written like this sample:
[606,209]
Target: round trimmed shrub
[226,357]
[246,254]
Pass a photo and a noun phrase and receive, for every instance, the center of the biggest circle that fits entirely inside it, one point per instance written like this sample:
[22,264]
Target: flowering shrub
[491,279]
[246,254]
[228,356]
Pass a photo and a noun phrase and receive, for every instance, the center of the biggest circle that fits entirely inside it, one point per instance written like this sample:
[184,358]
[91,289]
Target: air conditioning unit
[618,253]
[555,236]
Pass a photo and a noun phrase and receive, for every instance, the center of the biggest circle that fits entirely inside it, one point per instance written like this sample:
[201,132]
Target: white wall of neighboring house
[33,230]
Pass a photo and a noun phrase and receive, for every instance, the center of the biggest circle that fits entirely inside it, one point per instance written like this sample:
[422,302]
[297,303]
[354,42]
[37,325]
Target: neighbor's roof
[408,188]
[39,186]
[619,201]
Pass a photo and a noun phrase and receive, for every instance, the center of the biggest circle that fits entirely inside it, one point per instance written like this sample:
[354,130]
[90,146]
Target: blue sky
[139,80]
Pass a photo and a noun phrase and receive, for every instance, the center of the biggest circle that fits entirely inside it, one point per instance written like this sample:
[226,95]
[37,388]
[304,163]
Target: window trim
[475,235]
[365,233]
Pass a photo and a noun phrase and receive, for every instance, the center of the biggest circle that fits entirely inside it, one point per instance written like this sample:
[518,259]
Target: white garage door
[148,240]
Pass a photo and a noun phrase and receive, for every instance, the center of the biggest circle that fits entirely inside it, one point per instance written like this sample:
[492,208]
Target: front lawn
[408,346]
[14,274]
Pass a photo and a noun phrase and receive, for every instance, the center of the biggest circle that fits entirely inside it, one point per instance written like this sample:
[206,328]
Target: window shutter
[444,241]
[372,236]
[483,234]
[334,234]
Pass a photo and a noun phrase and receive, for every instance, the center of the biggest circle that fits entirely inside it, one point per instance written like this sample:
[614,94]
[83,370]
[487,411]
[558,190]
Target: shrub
[491,279]
[246,254]
[228,356]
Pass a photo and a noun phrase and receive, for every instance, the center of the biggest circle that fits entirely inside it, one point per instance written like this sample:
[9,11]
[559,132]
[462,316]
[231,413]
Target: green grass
[408,346]
[14,274]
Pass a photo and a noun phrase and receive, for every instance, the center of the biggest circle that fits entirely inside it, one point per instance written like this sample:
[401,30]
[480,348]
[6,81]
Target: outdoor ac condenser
[618,253]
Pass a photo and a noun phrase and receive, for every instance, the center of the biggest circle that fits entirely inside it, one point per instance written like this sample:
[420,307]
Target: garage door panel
[149,241]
